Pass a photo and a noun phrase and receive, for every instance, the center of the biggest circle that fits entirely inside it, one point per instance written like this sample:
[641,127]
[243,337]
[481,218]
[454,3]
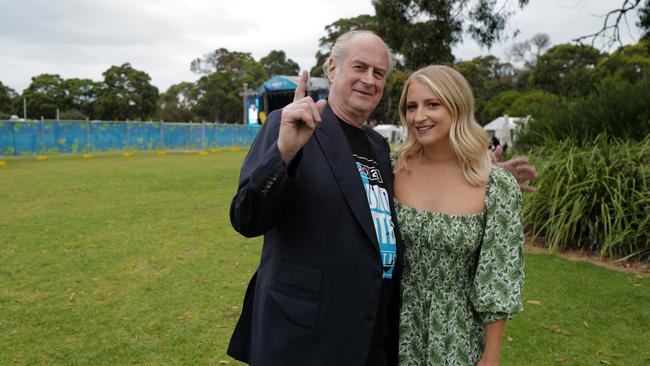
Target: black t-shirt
[379,204]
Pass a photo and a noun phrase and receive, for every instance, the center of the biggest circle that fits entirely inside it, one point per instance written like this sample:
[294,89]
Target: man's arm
[271,164]
[519,167]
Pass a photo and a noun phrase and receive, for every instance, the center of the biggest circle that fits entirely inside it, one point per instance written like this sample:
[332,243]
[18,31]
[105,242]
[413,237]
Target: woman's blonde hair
[467,138]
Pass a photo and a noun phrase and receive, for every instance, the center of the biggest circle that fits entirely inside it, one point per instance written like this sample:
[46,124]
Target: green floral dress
[452,285]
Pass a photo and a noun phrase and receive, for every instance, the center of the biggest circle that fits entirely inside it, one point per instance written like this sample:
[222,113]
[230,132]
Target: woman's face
[428,119]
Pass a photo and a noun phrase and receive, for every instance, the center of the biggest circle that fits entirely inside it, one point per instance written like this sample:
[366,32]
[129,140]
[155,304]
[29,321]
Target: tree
[630,63]
[499,105]
[7,96]
[276,63]
[177,103]
[334,31]
[126,94]
[388,109]
[82,96]
[45,94]
[610,33]
[425,31]
[644,22]
[528,51]
[566,70]
[225,74]
[487,76]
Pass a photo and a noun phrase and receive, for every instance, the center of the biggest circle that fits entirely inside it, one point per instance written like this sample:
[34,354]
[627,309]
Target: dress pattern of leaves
[452,285]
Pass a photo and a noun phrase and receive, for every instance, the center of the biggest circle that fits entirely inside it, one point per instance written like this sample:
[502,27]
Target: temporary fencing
[63,137]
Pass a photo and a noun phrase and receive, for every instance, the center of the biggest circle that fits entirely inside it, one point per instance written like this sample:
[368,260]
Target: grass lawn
[116,260]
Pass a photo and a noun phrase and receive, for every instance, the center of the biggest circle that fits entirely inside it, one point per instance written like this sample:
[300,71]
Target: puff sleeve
[499,276]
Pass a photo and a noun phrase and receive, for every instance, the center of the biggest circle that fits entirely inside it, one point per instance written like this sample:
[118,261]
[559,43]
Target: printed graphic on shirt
[380,209]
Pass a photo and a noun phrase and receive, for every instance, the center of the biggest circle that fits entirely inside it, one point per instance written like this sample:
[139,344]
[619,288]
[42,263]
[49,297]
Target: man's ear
[331,69]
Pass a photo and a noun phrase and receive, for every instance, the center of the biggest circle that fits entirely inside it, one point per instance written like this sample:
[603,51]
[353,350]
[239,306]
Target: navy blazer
[314,297]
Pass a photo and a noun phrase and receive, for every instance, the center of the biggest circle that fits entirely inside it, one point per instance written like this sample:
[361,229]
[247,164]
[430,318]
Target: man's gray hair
[340,49]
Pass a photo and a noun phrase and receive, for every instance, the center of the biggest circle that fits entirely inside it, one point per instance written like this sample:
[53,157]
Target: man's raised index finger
[302,86]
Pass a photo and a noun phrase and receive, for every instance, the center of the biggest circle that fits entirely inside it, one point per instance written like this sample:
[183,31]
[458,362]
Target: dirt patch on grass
[574,255]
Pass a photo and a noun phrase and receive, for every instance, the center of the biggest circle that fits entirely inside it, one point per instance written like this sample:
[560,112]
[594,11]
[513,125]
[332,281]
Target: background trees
[126,94]
[7,96]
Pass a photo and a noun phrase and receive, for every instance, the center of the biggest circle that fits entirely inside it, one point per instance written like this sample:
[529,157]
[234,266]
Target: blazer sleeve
[264,183]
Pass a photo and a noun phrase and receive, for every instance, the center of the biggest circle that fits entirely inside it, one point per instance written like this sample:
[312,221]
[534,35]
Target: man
[325,292]
[318,186]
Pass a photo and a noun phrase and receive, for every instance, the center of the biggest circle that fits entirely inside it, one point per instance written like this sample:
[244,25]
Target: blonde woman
[460,218]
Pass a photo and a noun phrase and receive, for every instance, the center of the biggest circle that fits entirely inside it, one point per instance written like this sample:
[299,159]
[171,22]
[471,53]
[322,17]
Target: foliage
[630,63]
[224,75]
[499,105]
[530,103]
[594,198]
[423,32]
[523,52]
[72,115]
[565,70]
[7,96]
[126,94]
[45,94]
[644,22]
[82,96]
[617,108]
[277,63]
[388,109]
[488,77]
[177,103]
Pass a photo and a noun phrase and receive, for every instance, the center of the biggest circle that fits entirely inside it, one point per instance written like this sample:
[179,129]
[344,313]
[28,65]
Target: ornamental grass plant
[593,197]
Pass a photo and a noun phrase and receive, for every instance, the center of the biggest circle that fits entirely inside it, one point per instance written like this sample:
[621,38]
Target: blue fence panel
[176,136]
[196,137]
[144,136]
[225,136]
[53,137]
[108,136]
[27,139]
[7,146]
[64,137]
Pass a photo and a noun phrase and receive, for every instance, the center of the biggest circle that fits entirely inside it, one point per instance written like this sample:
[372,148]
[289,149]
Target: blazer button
[378,275]
[370,318]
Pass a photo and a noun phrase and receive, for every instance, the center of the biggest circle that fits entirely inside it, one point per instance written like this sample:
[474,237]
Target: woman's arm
[492,349]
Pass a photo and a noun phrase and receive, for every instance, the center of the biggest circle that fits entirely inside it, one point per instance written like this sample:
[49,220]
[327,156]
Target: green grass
[115,260]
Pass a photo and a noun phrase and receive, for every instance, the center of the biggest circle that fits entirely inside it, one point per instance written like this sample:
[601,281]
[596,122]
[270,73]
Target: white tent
[392,133]
[505,127]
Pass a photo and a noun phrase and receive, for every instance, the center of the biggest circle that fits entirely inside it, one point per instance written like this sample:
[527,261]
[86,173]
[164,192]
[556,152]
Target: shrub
[594,197]
[617,108]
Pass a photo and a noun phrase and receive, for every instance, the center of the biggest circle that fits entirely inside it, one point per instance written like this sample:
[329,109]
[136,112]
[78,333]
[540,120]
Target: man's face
[357,84]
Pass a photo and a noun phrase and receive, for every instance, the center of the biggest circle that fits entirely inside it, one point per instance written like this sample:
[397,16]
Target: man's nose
[368,77]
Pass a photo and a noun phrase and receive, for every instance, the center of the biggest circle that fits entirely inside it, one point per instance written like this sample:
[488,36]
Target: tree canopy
[126,94]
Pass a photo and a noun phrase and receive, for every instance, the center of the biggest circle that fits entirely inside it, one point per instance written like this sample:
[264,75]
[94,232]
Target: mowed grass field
[115,261]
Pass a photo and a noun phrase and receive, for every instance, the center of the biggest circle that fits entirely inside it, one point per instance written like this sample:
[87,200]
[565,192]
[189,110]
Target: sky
[82,39]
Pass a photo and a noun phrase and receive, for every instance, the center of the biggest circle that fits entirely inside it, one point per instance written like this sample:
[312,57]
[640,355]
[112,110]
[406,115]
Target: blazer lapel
[333,142]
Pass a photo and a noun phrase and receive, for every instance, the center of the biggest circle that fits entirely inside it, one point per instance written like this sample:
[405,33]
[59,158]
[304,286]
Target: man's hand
[520,168]
[299,120]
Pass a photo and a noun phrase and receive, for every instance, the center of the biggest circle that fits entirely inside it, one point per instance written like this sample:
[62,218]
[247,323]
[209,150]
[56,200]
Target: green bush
[593,198]
[617,108]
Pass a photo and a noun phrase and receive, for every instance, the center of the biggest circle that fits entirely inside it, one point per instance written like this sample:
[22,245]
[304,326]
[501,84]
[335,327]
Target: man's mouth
[369,94]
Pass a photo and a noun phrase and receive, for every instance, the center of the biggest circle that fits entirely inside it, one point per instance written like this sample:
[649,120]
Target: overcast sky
[83,38]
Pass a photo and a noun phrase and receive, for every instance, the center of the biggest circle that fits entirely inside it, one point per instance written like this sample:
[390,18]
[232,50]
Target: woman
[460,219]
